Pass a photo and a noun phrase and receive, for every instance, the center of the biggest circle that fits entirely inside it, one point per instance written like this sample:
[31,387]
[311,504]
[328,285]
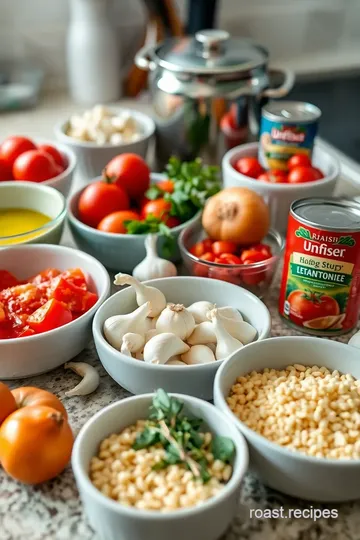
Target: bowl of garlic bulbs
[175,332]
[101,133]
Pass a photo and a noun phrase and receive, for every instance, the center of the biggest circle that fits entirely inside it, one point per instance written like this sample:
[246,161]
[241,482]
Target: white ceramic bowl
[27,356]
[33,196]
[93,157]
[139,377]
[112,521]
[293,473]
[280,196]
[63,181]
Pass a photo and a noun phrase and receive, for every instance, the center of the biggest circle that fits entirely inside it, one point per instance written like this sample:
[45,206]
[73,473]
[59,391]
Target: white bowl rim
[260,439]
[98,335]
[50,190]
[146,121]
[228,488]
[70,250]
[231,155]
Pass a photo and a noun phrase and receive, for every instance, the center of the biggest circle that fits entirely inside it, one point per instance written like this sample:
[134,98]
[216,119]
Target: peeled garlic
[199,310]
[150,334]
[354,341]
[153,266]
[89,382]
[117,326]
[144,293]
[132,343]
[162,347]
[240,330]
[230,313]
[226,344]
[176,319]
[198,354]
[203,334]
[175,363]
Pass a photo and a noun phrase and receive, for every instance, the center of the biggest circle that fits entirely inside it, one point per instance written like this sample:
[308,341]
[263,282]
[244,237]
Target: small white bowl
[34,196]
[112,521]
[63,181]
[93,157]
[280,196]
[293,473]
[28,356]
[139,377]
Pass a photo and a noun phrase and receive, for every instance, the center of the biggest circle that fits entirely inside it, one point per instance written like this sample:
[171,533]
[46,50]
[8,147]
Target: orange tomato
[29,396]
[114,223]
[35,444]
[158,208]
[7,402]
[166,185]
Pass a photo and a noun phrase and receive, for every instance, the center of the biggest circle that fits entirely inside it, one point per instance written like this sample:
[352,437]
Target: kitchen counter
[53,511]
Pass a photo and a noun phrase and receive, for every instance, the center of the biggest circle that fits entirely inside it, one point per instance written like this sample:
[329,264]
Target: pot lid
[210,52]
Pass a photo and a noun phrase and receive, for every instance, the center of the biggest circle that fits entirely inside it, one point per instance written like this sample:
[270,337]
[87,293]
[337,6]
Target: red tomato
[275,176]
[200,270]
[166,185]
[7,280]
[208,256]
[22,299]
[158,208]
[306,306]
[319,172]
[54,153]
[252,276]
[250,256]
[172,222]
[114,222]
[99,200]
[299,160]
[35,166]
[25,332]
[75,298]
[300,175]
[49,316]
[202,247]
[265,249]
[249,166]
[130,172]
[223,246]
[5,171]
[75,276]
[227,258]
[13,147]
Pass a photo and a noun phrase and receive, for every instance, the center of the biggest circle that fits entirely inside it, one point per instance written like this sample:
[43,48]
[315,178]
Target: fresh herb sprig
[181,437]
[153,224]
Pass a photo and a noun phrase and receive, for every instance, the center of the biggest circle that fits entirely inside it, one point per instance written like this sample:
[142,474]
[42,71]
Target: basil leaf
[146,438]
[223,448]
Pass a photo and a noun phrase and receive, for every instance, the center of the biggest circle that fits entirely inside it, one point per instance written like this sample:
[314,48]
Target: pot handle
[284,89]
[143,58]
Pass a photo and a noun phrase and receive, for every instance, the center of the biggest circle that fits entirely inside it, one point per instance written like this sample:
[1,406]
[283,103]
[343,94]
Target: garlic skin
[176,319]
[132,343]
[153,266]
[89,382]
[203,334]
[117,326]
[144,293]
[226,344]
[198,354]
[162,347]
[354,341]
[230,313]
[199,310]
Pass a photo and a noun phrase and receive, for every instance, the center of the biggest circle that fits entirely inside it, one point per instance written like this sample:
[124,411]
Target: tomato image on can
[320,287]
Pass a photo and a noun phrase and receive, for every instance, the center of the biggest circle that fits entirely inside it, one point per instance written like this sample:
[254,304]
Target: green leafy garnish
[181,438]
[153,224]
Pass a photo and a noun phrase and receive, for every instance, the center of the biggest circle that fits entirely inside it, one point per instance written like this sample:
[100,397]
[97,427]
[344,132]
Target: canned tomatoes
[320,288]
[287,128]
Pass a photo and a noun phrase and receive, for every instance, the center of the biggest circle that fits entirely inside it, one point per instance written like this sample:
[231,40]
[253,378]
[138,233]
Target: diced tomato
[253,276]
[222,246]
[202,247]
[75,298]
[228,258]
[22,299]
[265,249]
[51,315]
[250,256]
[200,270]
[25,332]
[45,276]
[208,256]
[7,280]
[75,276]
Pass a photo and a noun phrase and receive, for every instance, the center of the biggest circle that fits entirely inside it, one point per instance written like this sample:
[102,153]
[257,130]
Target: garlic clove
[144,293]
[176,319]
[199,310]
[240,330]
[117,326]
[198,354]
[175,361]
[150,334]
[230,313]
[226,344]
[153,266]
[203,334]
[354,341]
[90,379]
[162,347]
[132,343]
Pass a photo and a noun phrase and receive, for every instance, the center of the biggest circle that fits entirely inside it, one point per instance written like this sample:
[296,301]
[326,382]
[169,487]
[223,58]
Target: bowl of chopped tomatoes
[48,297]
[252,267]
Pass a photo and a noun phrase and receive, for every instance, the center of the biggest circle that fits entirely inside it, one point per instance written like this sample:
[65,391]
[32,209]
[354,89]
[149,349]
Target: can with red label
[320,287]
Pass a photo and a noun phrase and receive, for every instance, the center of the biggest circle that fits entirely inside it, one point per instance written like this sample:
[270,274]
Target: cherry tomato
[158,208]
[252,276]
[54,153]
[249,166]
[228,258]
[263,248]
[13,147]
[166,185]
[172,222]
[130,172]
[223,246]
[250,256]
[300,175]
[202,247]
[208,256]
[319,172]
[5,170]
[299,160]
[49,316]
[99,200]
[35,166]
[275,176]
[200,270]
[7,280]
[114,222]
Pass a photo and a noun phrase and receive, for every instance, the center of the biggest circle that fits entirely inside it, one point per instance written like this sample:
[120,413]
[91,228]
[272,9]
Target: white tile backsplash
[291,29]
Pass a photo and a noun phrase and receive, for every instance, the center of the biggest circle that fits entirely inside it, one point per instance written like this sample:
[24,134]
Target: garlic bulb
[176,319]
[198,354]
[117,326]
[226,344]
[144,293]
[199,310]
[230,313]
[150,334]
[203,334]
[132,343]
[153,266]
[162,347]
[354,341]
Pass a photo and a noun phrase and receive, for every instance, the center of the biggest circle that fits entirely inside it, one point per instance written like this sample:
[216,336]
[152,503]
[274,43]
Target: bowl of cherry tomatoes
[304,178]
[37,160]
[252,267]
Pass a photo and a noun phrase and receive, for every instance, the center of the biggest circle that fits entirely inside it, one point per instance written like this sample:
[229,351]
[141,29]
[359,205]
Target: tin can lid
[330,214]
[291,111]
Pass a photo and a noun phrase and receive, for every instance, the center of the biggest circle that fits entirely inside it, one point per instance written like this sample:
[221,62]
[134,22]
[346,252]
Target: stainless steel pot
[207,92]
